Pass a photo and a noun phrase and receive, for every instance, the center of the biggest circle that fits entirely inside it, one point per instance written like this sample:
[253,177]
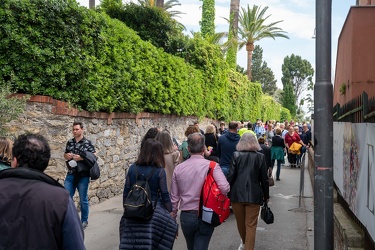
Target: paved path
[292,229]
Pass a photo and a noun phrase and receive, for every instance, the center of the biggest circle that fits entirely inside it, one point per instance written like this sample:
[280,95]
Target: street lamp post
[323,152]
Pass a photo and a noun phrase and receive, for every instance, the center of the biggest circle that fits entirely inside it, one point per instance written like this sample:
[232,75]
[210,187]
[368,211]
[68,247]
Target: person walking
[248,181]
[290,138]
[187,182]
[227,145]
[277,151]
[36,211]
[78,176]
[5,152]
[171,154]
[152,233]
[183,148]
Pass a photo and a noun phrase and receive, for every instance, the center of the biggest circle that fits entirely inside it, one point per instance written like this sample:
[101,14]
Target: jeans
[278,169]
[83,187]
[225,170]
[196,232]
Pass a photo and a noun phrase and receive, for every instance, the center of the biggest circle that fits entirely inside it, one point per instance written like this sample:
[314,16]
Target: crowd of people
[244,154]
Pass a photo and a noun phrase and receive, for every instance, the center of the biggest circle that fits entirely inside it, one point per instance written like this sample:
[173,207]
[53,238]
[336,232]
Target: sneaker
[278,179]
[85,224]
[241,247]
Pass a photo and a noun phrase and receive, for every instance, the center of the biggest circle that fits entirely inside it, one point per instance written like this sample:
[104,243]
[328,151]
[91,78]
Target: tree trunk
[249,49]
[91,4]
[234,13]
[160,3]
[233,33]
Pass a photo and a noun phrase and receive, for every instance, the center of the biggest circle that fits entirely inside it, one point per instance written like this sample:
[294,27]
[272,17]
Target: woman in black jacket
[248,181]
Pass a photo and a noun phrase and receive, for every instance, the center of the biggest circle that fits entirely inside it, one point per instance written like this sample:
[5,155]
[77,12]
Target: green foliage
[262,73]
[285,114]
[11,107]
[271,110]
[244,97]
[208,18]
[299,73]
[288,99]
[151,23]
[97,63]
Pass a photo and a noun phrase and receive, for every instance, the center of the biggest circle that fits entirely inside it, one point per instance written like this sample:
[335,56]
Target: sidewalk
[292,229]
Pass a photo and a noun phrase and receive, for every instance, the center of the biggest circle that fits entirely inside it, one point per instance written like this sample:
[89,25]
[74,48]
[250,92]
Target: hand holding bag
[266,214]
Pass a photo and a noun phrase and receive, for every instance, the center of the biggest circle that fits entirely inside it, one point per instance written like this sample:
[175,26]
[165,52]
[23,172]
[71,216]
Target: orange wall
[355,63]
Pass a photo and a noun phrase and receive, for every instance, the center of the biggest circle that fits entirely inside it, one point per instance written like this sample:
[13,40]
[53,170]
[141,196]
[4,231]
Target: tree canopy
[262,73]
[298,73]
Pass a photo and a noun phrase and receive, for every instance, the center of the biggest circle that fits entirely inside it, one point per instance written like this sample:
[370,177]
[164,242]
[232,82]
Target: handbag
[95,171]
[271,181]
[266,214]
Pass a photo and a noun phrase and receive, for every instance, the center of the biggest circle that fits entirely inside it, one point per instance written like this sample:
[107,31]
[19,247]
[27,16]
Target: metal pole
[323,152]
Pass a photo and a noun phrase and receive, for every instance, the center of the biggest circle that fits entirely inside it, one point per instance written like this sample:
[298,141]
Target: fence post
[365,105]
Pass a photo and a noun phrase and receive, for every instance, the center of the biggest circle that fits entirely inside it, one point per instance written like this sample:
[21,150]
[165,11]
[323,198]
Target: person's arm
[164,190]
[72,231]
[175,195]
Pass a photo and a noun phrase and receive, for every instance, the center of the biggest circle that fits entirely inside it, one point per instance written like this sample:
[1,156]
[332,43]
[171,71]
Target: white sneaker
[241,247]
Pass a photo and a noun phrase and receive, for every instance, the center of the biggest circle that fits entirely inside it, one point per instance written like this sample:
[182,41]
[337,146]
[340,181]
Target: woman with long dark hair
[161,228]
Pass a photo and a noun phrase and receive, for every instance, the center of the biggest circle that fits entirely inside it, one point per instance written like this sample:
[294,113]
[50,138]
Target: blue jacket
[226,146]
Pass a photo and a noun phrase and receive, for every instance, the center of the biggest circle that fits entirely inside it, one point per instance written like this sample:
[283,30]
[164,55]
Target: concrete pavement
[292,229]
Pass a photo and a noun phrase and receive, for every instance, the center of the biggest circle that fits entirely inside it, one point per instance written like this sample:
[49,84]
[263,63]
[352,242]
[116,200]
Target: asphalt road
[292,229]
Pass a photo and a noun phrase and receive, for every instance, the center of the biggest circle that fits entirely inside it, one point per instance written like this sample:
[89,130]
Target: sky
[298,21]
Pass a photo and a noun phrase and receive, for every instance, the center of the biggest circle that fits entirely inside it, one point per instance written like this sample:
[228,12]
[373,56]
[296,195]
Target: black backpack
[138,203]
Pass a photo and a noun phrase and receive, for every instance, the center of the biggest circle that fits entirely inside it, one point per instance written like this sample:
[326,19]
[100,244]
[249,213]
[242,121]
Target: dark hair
[78,123]
[151,154]
[233,125]
[196,143]
[150,134]
[249,125]
[261,140]
[32,150]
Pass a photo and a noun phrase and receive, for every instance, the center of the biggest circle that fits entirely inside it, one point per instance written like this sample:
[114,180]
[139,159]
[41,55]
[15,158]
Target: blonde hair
[248,142]
[6,146]
[210,129]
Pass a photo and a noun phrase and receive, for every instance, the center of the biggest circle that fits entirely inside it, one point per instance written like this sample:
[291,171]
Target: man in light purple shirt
[187,181]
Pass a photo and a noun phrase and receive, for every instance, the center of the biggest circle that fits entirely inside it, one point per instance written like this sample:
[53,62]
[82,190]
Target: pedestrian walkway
[292,229]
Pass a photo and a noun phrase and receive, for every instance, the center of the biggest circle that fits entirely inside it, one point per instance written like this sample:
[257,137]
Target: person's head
[261,140]
[248,142]
[150,134]
[233,125]
[166,141]
[196,123]
[6,150]
[249,126]
[210,129]
[296,129]
[291,130]
[305,127]
[151,154]
[278,131]
[191,130]
[282,126]
[259,123]
[222,125]
[270,126]
[77,129]
[32,151]
[196,143]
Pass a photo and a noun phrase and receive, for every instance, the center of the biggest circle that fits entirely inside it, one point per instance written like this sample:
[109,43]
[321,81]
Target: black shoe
[278,179]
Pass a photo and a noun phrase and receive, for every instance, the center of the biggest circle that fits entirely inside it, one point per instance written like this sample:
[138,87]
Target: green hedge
[96,63]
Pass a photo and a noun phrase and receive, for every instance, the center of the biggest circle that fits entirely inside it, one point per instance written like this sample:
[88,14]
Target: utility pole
[323,152]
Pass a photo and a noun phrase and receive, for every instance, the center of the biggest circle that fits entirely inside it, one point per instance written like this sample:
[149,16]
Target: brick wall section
[116,137]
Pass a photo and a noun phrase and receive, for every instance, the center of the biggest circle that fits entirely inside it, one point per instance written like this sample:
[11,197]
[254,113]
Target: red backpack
[215,206]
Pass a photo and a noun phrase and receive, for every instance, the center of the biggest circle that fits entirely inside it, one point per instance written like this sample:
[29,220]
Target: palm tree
[253,28]
[233,33]
[167,6]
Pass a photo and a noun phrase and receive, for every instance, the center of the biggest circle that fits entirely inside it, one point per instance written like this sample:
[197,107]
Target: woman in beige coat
[171,154]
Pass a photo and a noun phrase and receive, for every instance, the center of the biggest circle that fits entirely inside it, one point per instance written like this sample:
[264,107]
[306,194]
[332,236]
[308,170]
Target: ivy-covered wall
[96,63]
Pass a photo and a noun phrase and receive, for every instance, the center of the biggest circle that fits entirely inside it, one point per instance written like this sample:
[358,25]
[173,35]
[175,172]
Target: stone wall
[116,137]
